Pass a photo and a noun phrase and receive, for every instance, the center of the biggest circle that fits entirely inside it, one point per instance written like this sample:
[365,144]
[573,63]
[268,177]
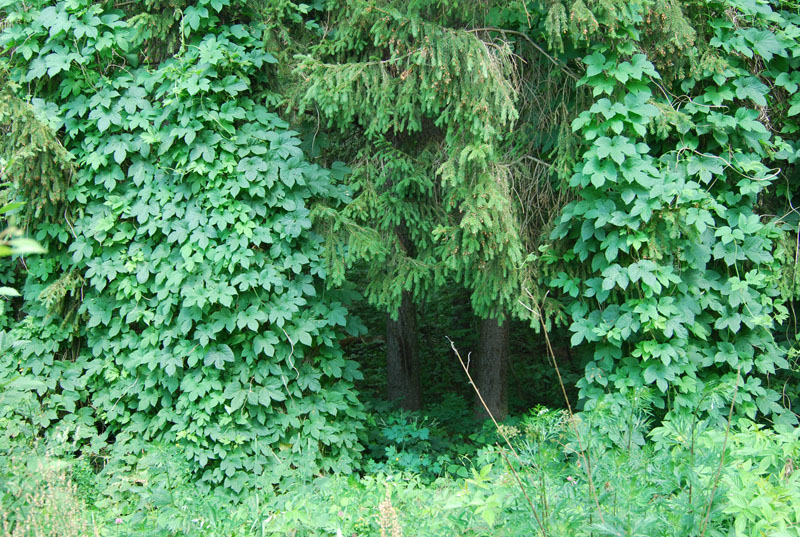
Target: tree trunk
[490,367]
[402,363]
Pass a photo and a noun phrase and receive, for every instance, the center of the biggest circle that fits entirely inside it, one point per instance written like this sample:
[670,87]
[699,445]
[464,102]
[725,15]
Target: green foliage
[406,442]
[664,261]
[34,160]
[426,104]
[601,474]
[38,499]
[433,72]
[187,308]
[761,487]
[184,303]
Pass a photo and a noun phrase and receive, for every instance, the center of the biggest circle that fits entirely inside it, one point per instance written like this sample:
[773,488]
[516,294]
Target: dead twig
[503,434]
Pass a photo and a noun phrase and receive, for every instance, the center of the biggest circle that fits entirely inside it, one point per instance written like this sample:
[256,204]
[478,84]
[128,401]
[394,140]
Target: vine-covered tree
[666,265]
[184,301]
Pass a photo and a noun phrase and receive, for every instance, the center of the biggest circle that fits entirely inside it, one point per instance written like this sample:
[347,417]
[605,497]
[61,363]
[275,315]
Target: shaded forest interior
[531,378]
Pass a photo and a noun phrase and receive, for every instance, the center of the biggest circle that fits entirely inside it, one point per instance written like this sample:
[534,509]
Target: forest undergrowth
[548,472]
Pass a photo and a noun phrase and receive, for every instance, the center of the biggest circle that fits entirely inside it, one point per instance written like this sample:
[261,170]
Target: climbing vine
[185,303]
[669,267]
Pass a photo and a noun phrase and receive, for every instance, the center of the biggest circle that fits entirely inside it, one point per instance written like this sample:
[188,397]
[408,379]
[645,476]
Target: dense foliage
[671,485]
[671,268]
[184,303]
[211,180]
[433,114]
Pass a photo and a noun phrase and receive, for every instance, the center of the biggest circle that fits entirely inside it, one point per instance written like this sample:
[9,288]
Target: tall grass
[42,501]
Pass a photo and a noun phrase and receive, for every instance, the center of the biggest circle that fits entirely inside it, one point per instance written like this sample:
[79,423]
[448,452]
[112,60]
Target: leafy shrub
[589,476]
[758,485]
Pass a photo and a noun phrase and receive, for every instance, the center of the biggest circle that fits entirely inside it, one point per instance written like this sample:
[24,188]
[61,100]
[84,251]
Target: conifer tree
[432,206]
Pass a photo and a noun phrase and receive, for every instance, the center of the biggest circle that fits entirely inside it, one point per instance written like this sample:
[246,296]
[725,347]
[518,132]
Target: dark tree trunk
[489,370]
[402,363]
